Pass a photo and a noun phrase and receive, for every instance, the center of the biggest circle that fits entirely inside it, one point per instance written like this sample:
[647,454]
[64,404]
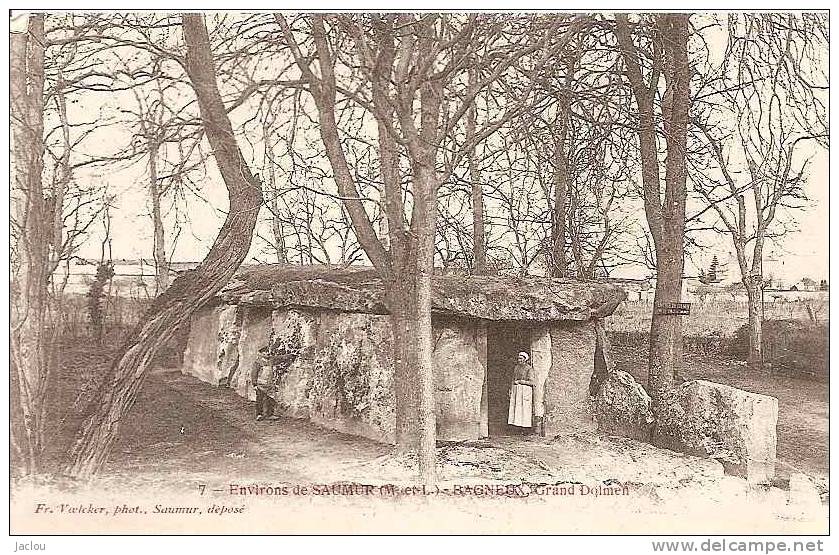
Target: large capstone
[622,407]
[361,289]
[734,426]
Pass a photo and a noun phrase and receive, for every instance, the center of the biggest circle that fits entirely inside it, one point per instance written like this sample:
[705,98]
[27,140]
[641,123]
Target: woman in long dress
[521,394]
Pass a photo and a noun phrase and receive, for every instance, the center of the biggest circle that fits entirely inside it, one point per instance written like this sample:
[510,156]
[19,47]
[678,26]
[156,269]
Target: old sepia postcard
[437,272]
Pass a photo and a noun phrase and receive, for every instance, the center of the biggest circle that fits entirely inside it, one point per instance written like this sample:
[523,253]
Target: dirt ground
[187,445]
[803,406]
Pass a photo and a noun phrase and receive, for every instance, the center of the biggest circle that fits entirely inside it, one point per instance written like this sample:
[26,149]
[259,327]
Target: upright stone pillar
[540,353]
[256,331]
[459,376]
[567,402]
[481,344]
[227,362]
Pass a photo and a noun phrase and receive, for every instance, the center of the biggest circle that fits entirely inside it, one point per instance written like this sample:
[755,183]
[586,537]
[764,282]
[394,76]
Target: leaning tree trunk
[175,306]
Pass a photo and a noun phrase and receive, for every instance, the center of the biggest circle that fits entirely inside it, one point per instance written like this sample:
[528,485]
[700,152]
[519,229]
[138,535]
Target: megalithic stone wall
[212,349]
[541,360]
[230,330]
[346,373]
[256,331]
[343,375]
[459,376]
[567,402]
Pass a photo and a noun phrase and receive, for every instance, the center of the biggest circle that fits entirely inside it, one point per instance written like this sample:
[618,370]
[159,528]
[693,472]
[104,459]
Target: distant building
[132,277]
[636,289]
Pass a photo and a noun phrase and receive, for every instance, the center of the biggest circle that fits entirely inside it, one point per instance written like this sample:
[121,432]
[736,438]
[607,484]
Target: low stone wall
[703,418]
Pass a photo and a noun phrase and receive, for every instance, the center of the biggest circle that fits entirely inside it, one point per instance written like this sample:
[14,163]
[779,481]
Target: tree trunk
[29,353]
[187,293]
[559,266]
[666,218]
[666,329]
[479,257]
[410,307]
[423,339]
[407,266]
[161,266]
[277,230]
[273,205]
[755,294]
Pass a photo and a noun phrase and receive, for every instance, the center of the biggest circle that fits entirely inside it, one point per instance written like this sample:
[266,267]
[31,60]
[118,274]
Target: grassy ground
[803,406]
[717,318]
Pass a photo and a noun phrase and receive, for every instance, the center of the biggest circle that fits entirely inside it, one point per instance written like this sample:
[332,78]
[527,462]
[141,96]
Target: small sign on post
[679,309]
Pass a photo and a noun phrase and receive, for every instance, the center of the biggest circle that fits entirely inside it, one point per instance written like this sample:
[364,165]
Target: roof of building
[360,289]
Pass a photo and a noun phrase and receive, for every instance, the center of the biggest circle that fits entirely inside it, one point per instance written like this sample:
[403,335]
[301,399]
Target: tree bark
[754,290]
[666,329]
[187,293]
[29,352]
[479,256]
[161,266]
[423,338]
[559,266]
[666,219]
[408,264]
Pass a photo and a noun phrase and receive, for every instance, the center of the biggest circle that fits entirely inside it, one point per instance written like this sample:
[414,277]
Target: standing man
[264,382]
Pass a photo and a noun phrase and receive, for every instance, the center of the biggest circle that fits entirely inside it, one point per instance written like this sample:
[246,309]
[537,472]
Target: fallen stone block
[622,407]
[734,426]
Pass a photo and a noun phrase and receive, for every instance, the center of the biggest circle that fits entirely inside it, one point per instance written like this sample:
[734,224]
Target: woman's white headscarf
[525,355]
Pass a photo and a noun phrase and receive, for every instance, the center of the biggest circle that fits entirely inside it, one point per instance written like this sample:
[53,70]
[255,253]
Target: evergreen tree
[712,270]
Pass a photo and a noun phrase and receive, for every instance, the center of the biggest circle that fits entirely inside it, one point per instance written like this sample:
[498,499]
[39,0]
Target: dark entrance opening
[504,341]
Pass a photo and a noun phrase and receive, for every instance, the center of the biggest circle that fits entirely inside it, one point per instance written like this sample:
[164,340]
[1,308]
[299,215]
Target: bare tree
[29,333]
[763,106]
[665,52]
[412,81]
[175,306]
